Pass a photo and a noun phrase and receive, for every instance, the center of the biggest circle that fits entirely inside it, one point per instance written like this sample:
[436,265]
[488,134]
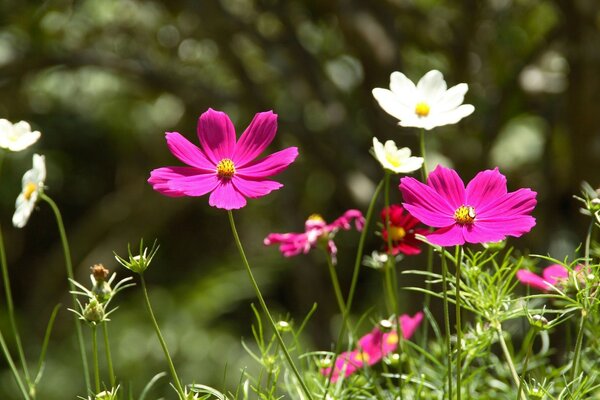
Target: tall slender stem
[529,347]
[390,265]
[458,324]
[422,143]
[163,344]
[336,283]
[11,310]
[447,322]
[265,308]
[95,358]
[13,369]
[69,266]
[424,175]
[511,365]
[111,371]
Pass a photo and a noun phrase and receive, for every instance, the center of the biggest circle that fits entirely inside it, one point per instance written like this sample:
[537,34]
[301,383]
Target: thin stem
[427,301]
[95,358]
[529,347]
[69,266]
[336,283]
[264,307]
[11,311]
[163,344]
[111,372]
[458,324]
[447,322]
[511,365]
[11,364]
[422,143]
[390,265]
[578,345]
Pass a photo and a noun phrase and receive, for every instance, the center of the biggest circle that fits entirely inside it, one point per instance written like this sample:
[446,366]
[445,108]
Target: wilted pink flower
[316,230]
[551,276]
[482,212]
[403,228]
[372,347]
[221,165]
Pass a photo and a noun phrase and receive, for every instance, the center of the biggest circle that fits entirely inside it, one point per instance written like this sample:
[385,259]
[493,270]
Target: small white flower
[17,137]
[426,105]
[394,159]
[33,185]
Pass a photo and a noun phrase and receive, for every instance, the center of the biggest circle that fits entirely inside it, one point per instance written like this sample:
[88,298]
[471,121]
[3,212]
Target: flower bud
[99,272]
[325,362]
[93,311]
[283,326]
[386,325]
[141,262]
[102,291]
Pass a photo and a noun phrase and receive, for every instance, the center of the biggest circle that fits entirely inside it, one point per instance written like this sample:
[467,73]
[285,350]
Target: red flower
[402,231]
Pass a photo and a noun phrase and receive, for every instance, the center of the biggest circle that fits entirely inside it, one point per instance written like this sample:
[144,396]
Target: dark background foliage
[102,81]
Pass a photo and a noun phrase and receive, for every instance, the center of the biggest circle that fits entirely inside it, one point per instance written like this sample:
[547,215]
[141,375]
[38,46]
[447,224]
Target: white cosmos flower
[394,159]
[17,137]
[33,185]
[426,105]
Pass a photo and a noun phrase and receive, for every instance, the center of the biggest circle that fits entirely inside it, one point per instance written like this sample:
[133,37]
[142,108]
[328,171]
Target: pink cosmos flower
[551,276]
[482,212]
[372,347]
[222,166]
[316,229]
[403,228]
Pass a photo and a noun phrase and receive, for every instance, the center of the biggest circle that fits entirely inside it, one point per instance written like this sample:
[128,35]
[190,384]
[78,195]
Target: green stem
[422,143]
[578,345]
[511,365]
[447,322]
[11,311]
[11,364]
[336,283]
[163,344]
[390,265]
[264,307]
[427,301]
[95,358]
[458,324]
[69,266]
[529,347]
[111,371]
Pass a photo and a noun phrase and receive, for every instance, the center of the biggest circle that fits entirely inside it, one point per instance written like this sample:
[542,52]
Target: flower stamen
[397,233]
[29,189]
[422,109]
[225,168]
[464,215]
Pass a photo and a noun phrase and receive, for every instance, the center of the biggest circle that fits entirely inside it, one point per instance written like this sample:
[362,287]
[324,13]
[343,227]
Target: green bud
[93,311]
[102,291]
[283,326]
[140,262]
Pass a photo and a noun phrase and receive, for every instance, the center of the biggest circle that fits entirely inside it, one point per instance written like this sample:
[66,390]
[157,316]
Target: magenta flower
[372,347]
[482,212]
[316,231]
[552,275]
[403,228]
[222,166]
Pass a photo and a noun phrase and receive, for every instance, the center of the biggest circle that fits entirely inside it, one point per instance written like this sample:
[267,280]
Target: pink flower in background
[316,229]
[402,231]
[551,276]
[372,347]
[222,166]
[482,212]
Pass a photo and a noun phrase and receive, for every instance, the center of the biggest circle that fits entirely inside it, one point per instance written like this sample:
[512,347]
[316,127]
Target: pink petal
[217,135]
[256,138]
[515,203]
[448,236]
[480,232]
[226,196]
[554,273]
[194,185]
[410,324]
[530,279]
[160,177]
[448,184]
[254,189]
[270,165]
[425,204]
[486,185]
[505,226]
[187,152]
[344,221]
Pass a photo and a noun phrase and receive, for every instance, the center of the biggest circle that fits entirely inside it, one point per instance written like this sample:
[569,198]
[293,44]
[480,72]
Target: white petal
[452,116]
[453,98]
[23,211]
[378,150]
[39,165]
[411,164]
[391,104]
[403,88]
[431,87]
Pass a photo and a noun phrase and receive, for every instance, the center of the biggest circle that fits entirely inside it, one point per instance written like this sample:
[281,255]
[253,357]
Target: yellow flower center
[316,218]
[29,189]
[422,109]
[225,168]
[464,215]
[361,357]
[392,338]
[397,233]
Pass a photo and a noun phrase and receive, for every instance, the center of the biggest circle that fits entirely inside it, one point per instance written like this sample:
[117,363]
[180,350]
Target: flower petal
[188,152]
[482,233]
[410,324]
[431,86]
[216,134]
[520,202]
[530,279]
[554,273]
[448,117]
[254,189]
[182,181]
[404,89]
[485,186]
[448,184]
[226,196]
[450,100]
[510,226]
[425,204]
[392,104]
[270,165]
[448,236]
[256,138]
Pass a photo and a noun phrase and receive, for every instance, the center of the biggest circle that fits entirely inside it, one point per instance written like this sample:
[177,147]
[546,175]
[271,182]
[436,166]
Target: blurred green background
[104,79]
